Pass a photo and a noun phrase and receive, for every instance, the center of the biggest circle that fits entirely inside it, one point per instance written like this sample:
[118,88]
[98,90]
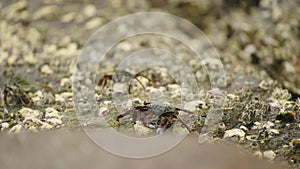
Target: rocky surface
[258,43]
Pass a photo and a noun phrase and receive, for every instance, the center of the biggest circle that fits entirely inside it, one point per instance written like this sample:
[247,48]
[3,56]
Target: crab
[151,75]
[166,115]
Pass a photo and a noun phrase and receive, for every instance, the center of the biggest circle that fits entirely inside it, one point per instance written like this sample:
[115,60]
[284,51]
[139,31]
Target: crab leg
[165,124]
[103,81]
[125,114]
[134,116]
[146,123]
[184,110]
[187,127]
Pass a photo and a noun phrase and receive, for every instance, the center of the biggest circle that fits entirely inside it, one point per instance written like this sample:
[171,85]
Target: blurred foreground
[75,150]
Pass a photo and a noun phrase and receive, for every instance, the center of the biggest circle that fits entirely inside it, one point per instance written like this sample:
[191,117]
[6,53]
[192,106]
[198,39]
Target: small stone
[37,96]
[52,113]
[16,6]
[257,126]
[45,11]
[65,82]
[107,102]
[46,70]
[232,96]
[125,46]
[173,87]
[103,111]
[30,59]
[28,113]
[59,98]
[269,154]
[94,23]
[46,126]
[67,95]
[275,131]
[89,10]
[140,129]
[12,59]
[154,90]
[72,49]
[234,132]
[54,121]
[32,128]
[4,125]
[68,17]
[250,49]
[49,49]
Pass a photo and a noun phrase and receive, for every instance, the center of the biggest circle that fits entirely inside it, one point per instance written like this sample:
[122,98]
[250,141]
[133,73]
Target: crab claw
[119,117]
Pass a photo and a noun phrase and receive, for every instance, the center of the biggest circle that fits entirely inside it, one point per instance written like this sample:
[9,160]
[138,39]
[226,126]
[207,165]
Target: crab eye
[137,101]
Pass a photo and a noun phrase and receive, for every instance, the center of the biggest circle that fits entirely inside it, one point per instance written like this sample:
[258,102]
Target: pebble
[103,111]
[140,129]
[54,121]
[67,95]
[30,59]
[46,126]
[65,82]
[4,125]
[12,59]
[125,46]
[89,10]
[28,113]
[269,154]
[250,49]
[232,96]
[59,98]
[46,70]
[68,17]
[94,23]
[45,11]
[107,102]
[155,90]
[37,96]
[32,128]
[234,132]
[275,131]
[52,113]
